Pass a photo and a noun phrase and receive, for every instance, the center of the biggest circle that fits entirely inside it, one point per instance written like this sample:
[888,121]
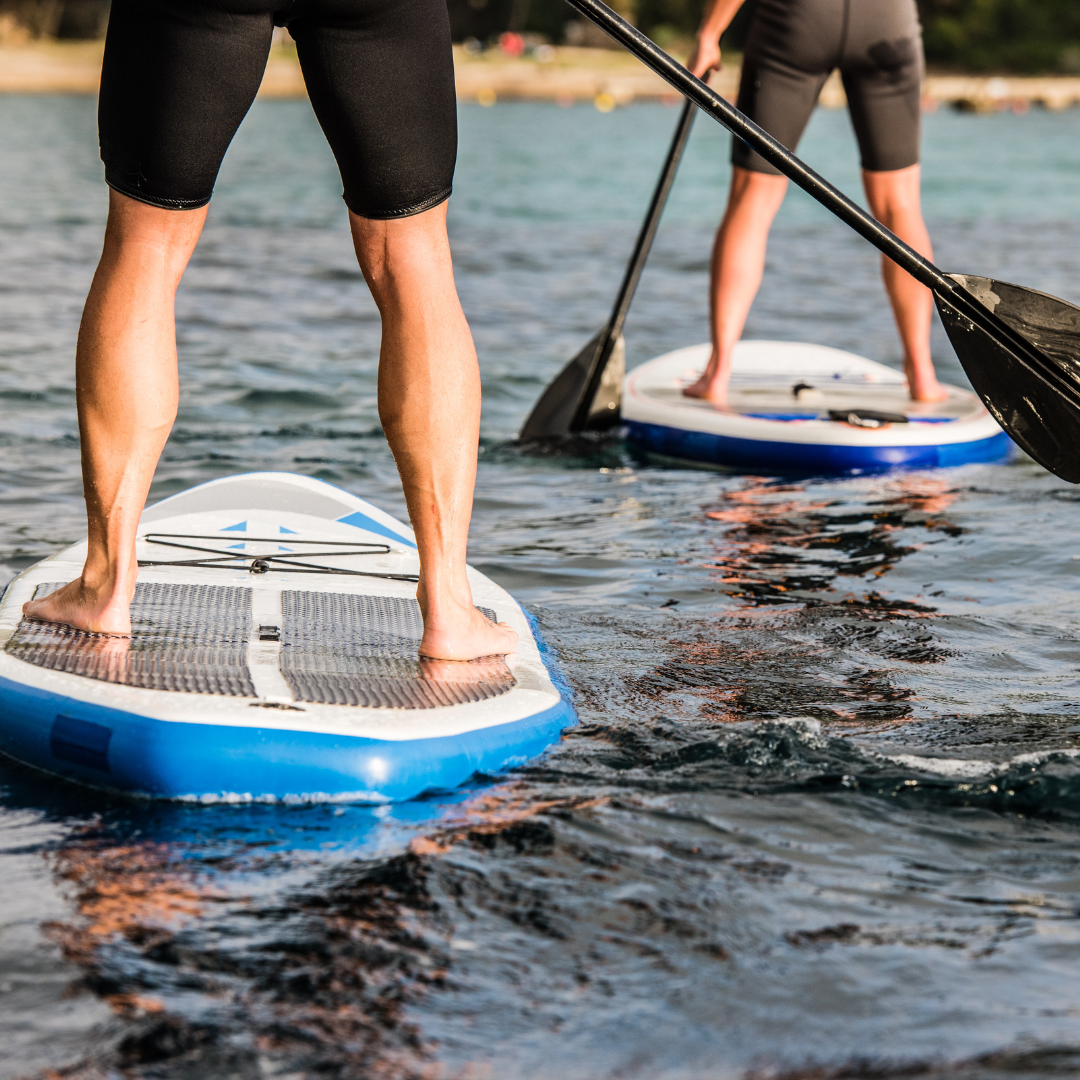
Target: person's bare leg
[895,202]
[429,405]
[126,384]
[738,263]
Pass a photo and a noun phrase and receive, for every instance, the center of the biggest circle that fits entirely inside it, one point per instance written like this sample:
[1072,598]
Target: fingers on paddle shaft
[1041,415]
[562,409]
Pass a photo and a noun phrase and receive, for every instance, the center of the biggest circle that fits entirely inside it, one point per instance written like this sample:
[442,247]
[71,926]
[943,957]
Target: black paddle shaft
[945,287]
[637,262]
[651,222]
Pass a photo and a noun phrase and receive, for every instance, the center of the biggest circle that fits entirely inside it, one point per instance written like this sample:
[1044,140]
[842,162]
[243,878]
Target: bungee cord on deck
[261,563]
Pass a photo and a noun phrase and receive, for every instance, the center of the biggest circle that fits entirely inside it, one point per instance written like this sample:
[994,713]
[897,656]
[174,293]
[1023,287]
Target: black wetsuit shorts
[794,45]
[180,75]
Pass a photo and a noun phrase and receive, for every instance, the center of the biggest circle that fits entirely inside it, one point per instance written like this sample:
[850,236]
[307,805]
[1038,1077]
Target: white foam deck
[278,692]
[761,402]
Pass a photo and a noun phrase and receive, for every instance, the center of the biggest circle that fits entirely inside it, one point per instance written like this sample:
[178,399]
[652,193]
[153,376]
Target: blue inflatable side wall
[109,748]
[756,454]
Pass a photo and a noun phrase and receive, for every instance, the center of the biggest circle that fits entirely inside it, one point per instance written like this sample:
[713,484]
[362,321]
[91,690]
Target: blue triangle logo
[281,547]
[238,527]
[234,547]
[362,521]
[282,529]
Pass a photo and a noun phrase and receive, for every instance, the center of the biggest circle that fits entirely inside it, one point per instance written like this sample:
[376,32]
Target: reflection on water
[786,546]
[820,818]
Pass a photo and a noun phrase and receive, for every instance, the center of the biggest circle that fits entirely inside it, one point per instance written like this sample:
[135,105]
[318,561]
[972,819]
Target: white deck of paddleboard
[268,502]
[763,377]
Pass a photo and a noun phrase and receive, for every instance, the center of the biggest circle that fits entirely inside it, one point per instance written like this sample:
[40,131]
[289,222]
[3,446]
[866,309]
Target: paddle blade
[603,410]
[1036,413]
[1050,324]
[562,409]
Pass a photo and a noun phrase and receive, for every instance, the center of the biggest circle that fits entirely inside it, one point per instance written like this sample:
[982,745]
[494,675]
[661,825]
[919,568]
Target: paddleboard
[273,659]
[795,407]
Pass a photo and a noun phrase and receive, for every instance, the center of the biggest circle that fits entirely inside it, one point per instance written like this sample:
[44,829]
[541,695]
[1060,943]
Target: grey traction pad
[191,638]
[342,649]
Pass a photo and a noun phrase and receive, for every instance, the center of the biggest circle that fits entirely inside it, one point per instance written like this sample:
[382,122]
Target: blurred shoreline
[565,74]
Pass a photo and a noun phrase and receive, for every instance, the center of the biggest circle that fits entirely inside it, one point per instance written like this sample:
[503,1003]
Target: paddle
[1020,348]
[585,394]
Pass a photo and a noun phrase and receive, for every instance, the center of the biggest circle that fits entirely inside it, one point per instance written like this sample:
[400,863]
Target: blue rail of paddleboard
[110,748]
[810,457]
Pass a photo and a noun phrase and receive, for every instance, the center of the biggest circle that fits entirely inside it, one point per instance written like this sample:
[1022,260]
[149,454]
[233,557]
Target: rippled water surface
[822,815]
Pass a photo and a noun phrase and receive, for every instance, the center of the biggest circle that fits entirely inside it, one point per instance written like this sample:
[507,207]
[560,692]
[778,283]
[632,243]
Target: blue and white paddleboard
[795,407]
[273,658]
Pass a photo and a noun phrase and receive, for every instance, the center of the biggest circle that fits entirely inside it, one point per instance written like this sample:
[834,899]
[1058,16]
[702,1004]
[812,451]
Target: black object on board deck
[1020,348]
[585,395]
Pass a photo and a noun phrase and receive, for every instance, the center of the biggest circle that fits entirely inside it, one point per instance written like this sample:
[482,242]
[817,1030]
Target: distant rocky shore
[568,75]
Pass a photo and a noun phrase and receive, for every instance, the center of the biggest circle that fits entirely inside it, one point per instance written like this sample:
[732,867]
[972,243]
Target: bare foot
[104,611]
[463,633]
[707,390]
[929,392]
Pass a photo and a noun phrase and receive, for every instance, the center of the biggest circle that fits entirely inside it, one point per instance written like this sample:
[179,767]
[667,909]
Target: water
[821,817]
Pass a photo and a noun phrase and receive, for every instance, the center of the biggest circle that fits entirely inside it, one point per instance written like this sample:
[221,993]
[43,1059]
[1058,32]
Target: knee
[894,196]
[402,251]
[756,191]
[152,236]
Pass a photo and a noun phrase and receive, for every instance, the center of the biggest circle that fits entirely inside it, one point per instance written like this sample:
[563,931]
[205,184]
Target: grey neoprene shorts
[792,48]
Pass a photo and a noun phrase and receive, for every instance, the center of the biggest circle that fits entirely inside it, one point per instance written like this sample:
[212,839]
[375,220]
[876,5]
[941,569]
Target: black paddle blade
[562,410]
[1050,324]
[1040,413]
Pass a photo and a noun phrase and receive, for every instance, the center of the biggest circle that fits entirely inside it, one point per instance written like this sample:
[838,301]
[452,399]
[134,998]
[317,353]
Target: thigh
[380,74]
[177,79]
[791,48]
[780,100]
[882,71]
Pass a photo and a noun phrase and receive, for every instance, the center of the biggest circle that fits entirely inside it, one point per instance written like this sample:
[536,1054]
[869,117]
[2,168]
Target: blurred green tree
[1025,36]
[668,22]
[56,18]
[486,19]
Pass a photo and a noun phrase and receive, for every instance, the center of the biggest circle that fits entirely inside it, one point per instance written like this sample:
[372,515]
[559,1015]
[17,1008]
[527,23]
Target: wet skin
[128,391]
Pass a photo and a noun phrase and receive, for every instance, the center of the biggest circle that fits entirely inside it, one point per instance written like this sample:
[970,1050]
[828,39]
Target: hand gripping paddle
[1020,348]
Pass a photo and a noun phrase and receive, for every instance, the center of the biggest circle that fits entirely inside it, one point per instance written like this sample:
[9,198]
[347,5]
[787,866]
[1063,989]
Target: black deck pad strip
[190,638]
[344,649]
